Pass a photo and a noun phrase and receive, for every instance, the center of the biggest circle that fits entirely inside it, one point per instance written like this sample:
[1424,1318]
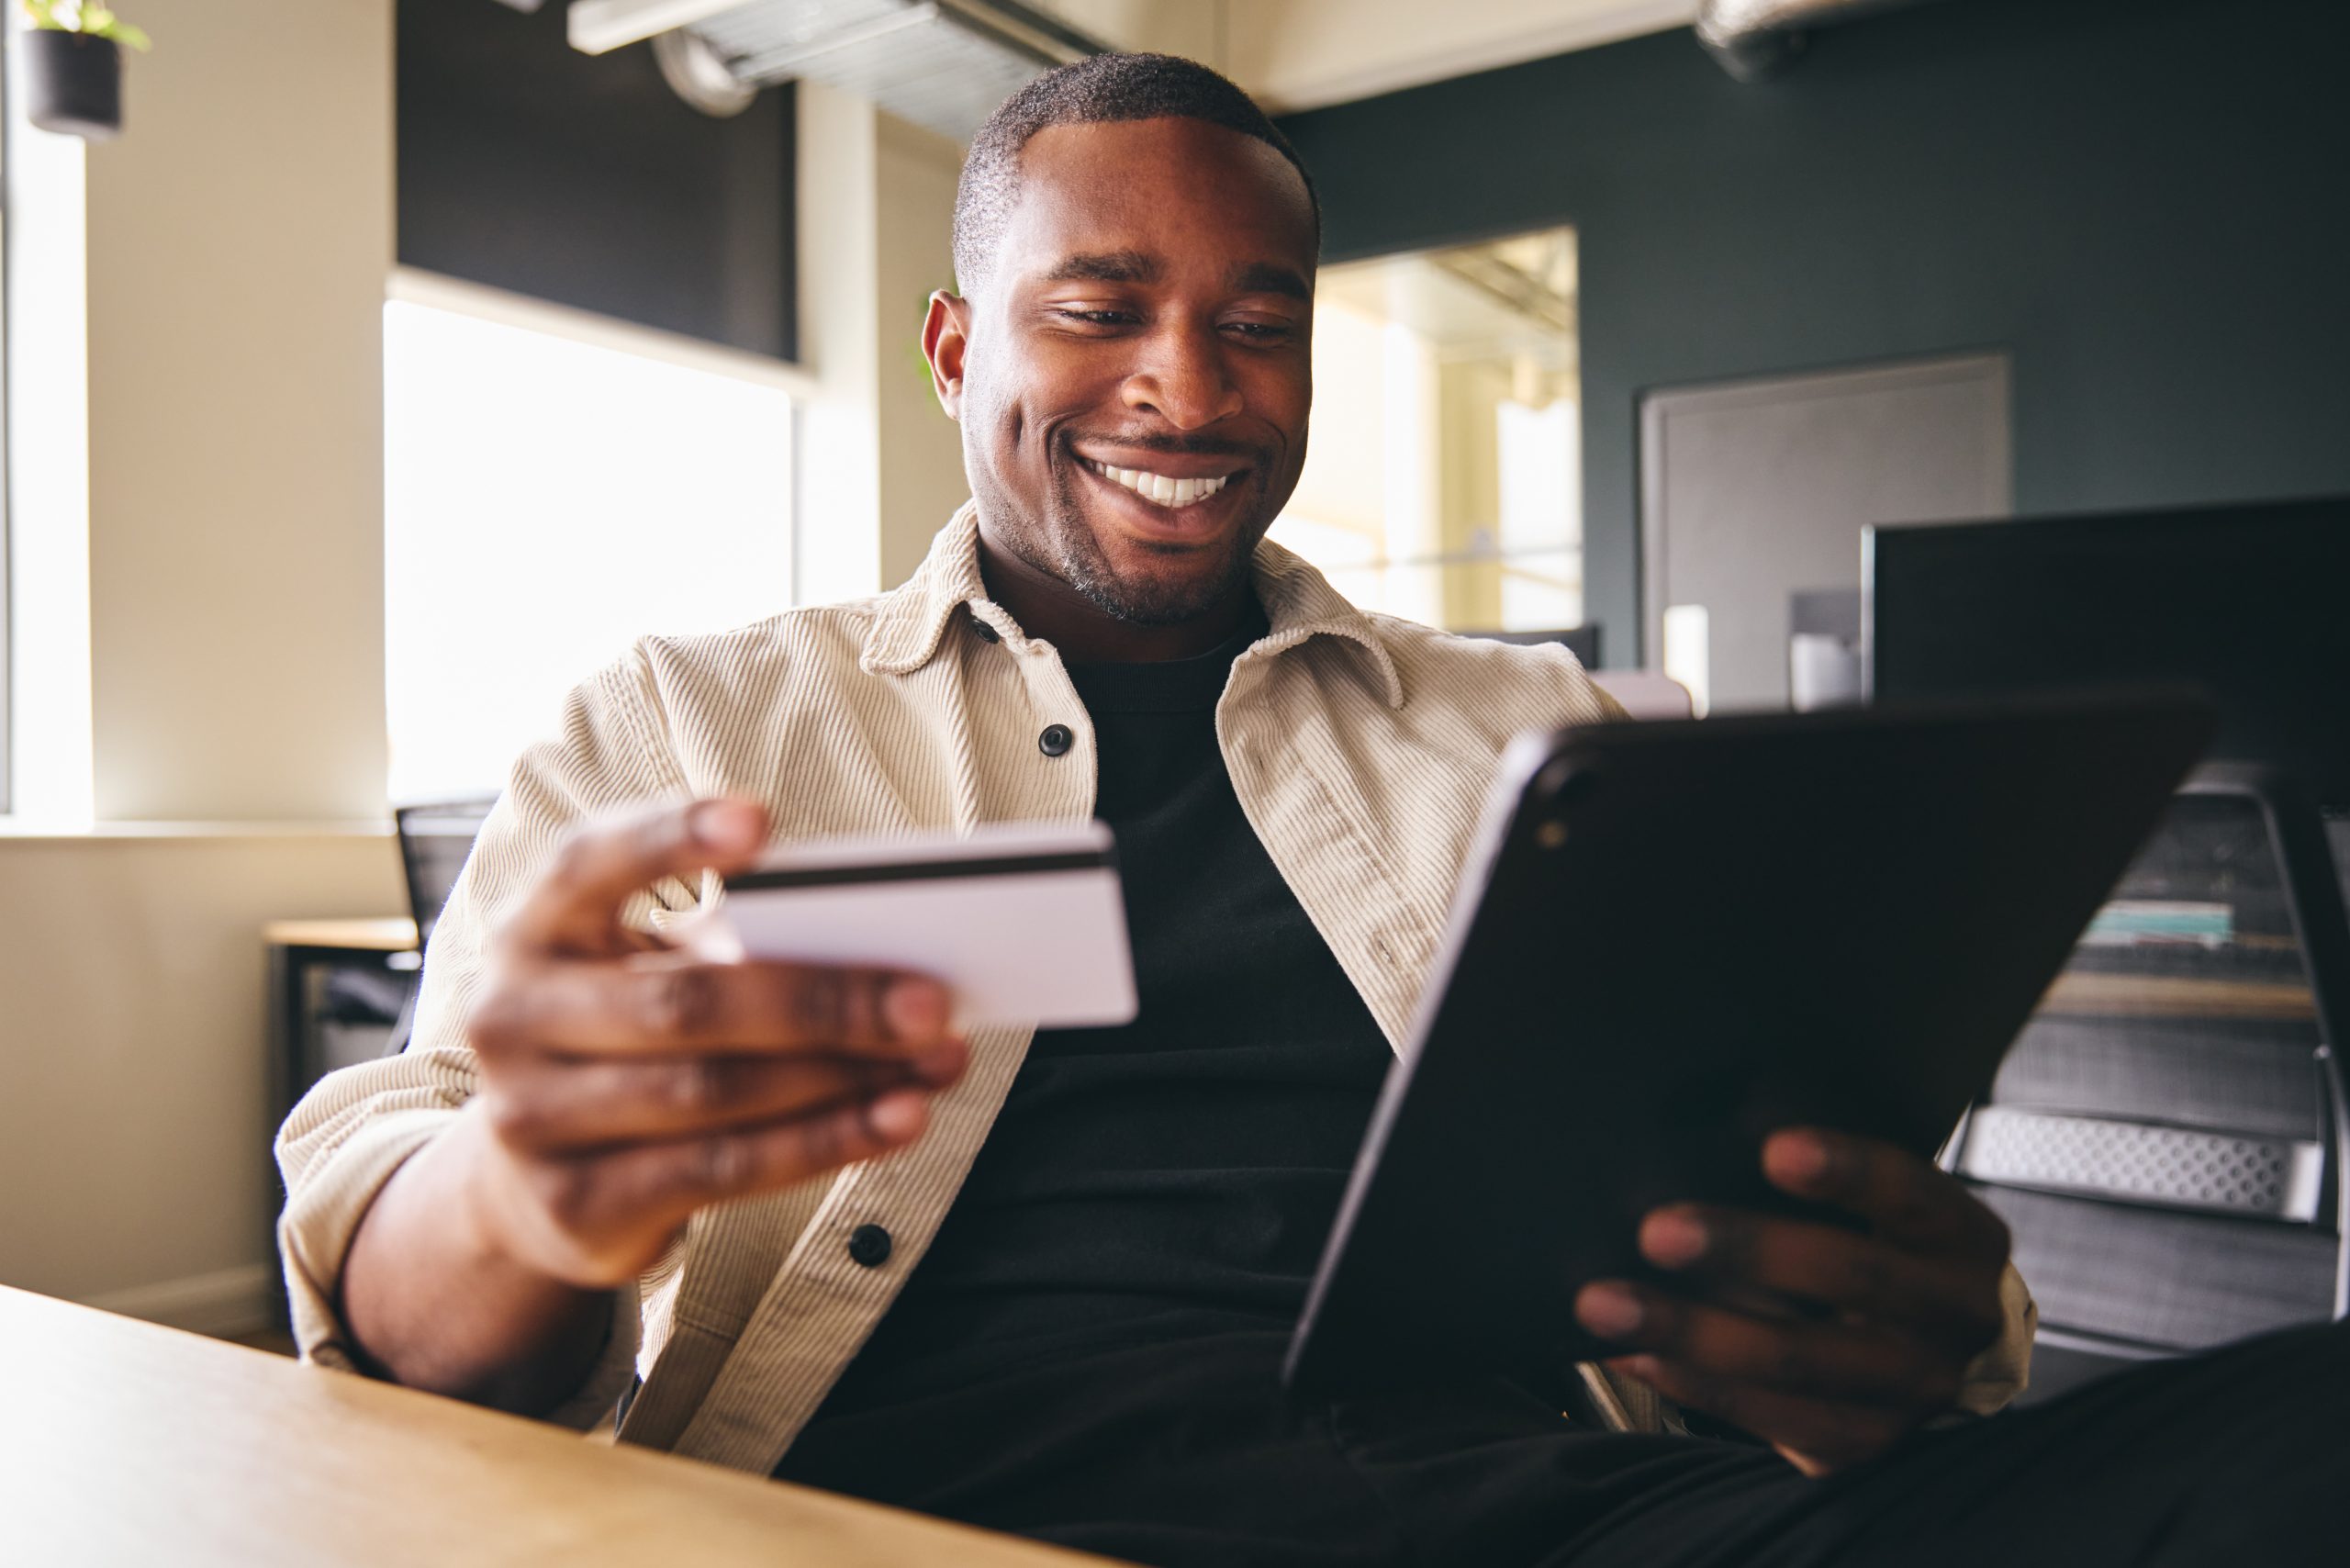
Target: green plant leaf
[90,21]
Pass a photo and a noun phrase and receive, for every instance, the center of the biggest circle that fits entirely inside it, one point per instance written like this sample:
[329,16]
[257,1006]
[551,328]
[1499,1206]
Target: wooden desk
[302,956]
[126,1443]
[392,934]
[301,952]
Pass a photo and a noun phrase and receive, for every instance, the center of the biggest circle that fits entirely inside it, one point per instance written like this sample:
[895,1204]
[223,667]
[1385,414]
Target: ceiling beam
[599,27]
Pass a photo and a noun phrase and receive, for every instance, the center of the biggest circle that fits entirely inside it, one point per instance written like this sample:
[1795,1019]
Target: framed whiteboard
[1754,490]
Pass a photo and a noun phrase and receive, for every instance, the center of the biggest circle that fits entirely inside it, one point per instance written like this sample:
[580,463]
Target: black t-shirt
[1176,1176]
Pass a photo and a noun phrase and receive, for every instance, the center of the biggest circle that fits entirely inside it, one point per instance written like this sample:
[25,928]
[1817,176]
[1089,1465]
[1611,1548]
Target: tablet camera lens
[1551,834]
[1563,782]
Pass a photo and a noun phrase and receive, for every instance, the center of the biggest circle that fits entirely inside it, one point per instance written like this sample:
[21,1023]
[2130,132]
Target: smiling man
[791,1224]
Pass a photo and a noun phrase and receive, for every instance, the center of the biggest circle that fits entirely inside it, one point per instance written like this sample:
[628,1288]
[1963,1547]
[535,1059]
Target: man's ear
[945,333]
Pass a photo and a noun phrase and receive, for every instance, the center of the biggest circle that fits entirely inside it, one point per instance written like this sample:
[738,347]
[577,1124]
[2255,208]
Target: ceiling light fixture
[943,64]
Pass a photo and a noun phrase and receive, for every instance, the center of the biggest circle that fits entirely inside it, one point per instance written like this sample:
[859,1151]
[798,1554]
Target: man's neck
[1048,608]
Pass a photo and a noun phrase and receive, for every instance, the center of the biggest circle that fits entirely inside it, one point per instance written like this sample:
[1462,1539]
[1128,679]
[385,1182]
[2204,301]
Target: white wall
[239,237]
[1192,28]
[134,1142]
[880,466]
[921,450]
[837,513]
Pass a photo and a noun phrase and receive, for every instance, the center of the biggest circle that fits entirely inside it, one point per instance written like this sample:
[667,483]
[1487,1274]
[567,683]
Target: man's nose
[1183,379]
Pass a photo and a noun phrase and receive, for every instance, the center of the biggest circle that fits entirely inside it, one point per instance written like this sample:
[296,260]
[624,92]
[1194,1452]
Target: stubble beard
[1061,544]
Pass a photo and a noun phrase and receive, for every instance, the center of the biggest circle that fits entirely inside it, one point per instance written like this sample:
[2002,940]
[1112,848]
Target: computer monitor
[2249,602]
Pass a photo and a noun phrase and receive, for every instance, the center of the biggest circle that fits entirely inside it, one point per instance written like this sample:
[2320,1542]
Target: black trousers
[1188,1454]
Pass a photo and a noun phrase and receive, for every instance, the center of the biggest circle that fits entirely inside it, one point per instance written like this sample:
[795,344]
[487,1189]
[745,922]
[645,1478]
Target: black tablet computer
[1673,938]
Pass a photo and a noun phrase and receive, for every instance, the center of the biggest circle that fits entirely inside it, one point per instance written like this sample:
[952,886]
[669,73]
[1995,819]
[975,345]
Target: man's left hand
[1828,1343]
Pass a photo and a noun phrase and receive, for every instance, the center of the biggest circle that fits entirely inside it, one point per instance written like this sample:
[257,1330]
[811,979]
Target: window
[45,591]
[1444,479]
[8,674]
[548,500]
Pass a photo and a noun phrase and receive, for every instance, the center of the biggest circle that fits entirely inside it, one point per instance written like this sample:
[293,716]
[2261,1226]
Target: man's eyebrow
[1264,277]
[1105,266]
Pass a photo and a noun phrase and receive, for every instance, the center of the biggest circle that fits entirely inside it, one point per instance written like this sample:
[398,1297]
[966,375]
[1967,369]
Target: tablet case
[1674,937]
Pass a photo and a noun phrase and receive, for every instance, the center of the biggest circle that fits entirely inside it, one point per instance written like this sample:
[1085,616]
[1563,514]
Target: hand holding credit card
[1025,922]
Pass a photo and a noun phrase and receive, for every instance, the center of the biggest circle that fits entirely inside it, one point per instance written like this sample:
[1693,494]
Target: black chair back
[435,838]
[2167,1139]
[1581,641]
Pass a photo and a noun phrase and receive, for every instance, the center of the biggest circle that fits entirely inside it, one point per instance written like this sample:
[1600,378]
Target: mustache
[1177,446]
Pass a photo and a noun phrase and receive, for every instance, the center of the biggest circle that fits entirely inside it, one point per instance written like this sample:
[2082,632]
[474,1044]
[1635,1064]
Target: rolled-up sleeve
[355,1129]
[2000,1373]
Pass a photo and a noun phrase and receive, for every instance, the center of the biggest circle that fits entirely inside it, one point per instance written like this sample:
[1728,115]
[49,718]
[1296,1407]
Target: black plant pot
[73,84]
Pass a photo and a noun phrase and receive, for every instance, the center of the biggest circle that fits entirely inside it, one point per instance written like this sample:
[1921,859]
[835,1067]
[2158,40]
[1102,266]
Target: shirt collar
[1299,602]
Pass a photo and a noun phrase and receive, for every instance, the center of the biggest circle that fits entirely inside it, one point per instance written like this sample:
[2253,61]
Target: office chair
[1581,641]
[435,838]
[2168,1137]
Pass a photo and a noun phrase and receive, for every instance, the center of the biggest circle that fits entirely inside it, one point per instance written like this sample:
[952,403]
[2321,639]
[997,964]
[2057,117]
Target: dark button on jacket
[869,1245]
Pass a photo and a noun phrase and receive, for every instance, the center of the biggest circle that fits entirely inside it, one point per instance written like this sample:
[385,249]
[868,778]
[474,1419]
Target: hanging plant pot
[73,84]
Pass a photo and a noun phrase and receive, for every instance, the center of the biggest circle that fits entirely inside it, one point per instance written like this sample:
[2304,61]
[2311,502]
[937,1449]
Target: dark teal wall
[2145,202]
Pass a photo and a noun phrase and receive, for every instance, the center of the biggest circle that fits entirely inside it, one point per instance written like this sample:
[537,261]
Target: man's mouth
[1162,489]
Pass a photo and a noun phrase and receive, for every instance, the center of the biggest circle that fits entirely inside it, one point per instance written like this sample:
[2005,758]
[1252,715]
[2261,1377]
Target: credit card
[1025,923]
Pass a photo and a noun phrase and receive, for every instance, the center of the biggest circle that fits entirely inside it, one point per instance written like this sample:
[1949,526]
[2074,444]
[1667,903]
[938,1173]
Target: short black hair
[1097,90]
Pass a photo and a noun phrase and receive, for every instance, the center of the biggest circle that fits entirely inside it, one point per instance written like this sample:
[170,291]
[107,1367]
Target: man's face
[1135,371]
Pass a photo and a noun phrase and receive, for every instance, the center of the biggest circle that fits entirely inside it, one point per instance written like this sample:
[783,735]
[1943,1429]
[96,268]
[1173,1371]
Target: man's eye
[1094,318]
[1259,332]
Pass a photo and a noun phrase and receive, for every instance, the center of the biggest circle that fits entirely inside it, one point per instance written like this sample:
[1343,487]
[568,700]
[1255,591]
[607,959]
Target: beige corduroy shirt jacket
[1360,748]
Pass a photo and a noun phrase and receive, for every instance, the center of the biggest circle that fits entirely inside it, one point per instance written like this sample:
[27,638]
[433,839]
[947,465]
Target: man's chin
[1140,582]
[1155,583]
[1148,598]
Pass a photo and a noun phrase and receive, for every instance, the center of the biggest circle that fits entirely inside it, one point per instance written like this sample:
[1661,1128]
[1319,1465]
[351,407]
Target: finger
[1856,1362]
[551,1105]
[652,1186]
[1859,1275]
[666,1003]
[1908,1199]
[574,908]
[1817,1435]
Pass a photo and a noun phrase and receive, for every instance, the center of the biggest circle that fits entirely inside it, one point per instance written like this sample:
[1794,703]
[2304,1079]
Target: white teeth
[1158,487]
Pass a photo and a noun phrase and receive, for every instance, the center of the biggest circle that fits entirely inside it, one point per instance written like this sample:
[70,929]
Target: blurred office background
[401,362]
